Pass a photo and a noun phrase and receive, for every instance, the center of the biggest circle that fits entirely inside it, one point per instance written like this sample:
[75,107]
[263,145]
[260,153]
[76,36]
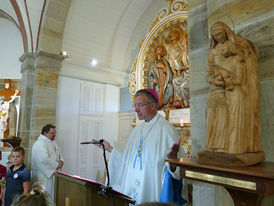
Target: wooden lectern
[72,191]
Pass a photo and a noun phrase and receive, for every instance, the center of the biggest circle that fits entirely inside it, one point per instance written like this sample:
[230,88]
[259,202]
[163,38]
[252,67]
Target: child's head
[160,50]
[37,197]
[225,51]
[17,156]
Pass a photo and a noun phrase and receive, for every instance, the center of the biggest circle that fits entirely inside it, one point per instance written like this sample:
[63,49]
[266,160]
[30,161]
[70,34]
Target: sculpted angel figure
[232,112]
[160,78]
[178,58]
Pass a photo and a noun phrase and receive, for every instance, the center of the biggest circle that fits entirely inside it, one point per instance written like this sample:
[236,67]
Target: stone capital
[28,62]
[41,60]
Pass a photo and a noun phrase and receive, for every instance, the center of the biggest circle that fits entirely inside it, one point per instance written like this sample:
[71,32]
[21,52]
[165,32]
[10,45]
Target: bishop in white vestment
[46,159]
[138,171]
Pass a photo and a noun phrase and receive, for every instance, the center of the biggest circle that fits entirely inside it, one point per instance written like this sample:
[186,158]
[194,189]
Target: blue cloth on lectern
[171,190]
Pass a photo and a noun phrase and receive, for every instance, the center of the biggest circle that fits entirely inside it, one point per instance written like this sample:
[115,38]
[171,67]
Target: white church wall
[11,50]
[85,110]
[125,128]
[91,123]
[111,122]
[90,159]
[125,100]
[126,117]
[67,117]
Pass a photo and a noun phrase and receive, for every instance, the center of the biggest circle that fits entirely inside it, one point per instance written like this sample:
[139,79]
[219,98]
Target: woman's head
[219,33]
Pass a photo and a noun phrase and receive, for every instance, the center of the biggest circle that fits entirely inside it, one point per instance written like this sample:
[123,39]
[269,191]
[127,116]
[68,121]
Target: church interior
[78,64]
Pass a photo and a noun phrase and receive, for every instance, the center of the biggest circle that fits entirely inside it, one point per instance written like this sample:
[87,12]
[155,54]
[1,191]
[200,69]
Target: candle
[182,122]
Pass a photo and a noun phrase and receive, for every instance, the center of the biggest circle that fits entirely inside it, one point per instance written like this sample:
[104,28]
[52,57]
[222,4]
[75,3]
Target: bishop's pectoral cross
[140,151]
[139,154]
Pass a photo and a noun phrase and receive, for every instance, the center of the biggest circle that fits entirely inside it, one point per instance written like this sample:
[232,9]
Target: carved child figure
[227,59]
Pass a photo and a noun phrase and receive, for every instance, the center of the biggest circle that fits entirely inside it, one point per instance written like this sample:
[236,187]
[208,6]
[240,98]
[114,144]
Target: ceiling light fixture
[64,54]
[93,62]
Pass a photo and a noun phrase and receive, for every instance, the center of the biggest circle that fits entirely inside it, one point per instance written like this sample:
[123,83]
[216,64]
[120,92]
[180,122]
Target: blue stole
[171,190]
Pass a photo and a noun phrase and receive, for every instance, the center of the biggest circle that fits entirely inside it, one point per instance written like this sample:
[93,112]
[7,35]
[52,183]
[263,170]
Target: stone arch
[52,25]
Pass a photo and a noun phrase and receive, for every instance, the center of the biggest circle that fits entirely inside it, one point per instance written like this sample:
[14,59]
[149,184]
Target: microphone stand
[105,188]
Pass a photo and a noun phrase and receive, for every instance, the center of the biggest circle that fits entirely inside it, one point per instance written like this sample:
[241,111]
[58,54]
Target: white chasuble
[45,157]
[137,172]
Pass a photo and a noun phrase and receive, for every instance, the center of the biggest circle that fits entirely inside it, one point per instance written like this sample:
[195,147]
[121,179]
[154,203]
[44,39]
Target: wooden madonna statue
[233,104]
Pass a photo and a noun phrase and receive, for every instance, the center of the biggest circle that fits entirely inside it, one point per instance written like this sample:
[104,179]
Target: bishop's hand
[107,145]
[172,153]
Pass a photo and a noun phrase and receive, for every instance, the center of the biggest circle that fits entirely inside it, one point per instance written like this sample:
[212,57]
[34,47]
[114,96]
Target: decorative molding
[101,74]
[40,22]
[175,6]
[9,17]
[132,80]
[30,31]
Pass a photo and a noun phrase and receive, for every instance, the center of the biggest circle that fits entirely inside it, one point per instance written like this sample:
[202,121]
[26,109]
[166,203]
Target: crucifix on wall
[8,111]
[7,93]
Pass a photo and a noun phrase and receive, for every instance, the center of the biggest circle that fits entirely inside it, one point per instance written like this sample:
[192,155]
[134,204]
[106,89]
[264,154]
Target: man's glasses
[141,105]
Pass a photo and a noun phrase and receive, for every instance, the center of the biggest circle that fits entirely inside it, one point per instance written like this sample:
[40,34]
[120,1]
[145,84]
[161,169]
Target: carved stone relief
[162,63]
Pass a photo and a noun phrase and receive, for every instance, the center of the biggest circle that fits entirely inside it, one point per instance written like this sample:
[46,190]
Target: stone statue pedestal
[230,160]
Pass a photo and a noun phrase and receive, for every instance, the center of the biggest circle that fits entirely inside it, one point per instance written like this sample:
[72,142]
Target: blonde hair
[37,197]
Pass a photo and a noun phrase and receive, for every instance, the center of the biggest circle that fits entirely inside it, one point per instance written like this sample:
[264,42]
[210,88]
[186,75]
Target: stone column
[39,95]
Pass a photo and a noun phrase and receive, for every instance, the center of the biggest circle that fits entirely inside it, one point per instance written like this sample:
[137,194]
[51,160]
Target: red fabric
[3,172]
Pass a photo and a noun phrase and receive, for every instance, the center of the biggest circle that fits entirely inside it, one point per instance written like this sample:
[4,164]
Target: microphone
[94,142]
[103,188]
